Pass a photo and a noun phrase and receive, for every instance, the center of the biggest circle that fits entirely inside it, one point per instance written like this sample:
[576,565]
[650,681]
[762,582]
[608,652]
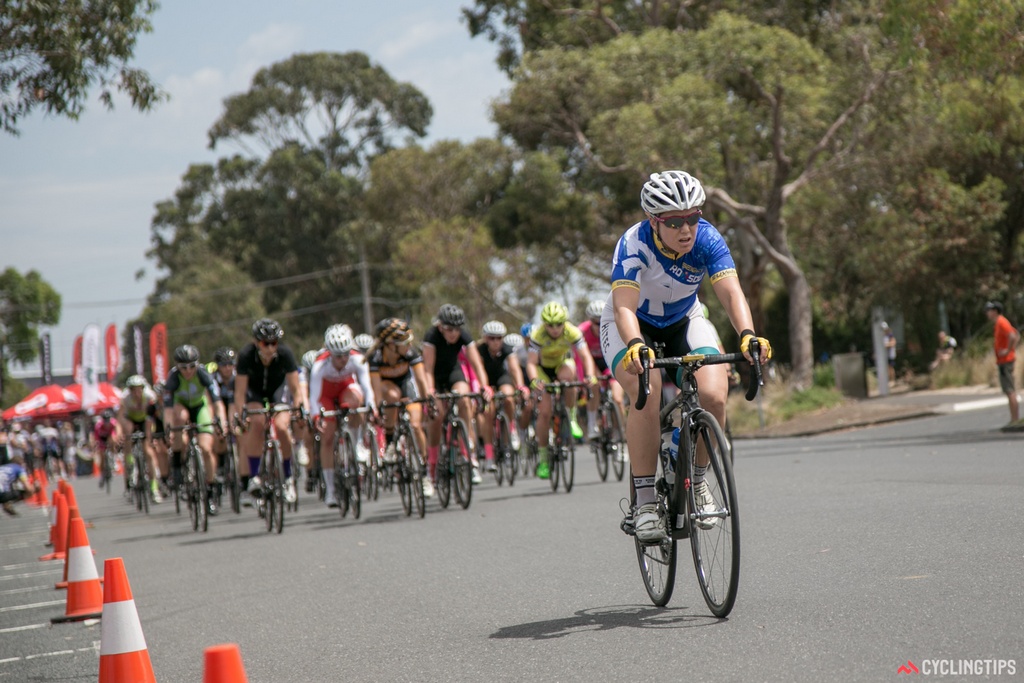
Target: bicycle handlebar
[696,360]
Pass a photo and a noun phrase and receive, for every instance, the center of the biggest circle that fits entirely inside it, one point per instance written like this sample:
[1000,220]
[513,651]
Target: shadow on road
[607,618]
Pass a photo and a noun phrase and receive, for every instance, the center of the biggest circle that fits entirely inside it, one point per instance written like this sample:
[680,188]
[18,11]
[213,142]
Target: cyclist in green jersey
[550,359]
[191,395]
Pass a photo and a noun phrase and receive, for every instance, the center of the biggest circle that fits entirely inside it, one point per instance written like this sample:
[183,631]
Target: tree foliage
[53,52]
[26,303]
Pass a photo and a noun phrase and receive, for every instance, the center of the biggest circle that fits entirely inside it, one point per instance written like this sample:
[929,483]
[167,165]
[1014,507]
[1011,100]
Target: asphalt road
[861,550]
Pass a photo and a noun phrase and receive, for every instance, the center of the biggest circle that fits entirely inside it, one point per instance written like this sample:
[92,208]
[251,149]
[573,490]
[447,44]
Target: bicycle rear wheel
[460,454]
[715,539]
[373,466]
[202,492]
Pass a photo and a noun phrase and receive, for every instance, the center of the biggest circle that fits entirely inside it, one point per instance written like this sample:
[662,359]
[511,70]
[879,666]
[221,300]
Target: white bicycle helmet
[494,328]
[309,358]
[338,339]
[595,308]
[363,341]
[514,340]
[135,381]
[671,191]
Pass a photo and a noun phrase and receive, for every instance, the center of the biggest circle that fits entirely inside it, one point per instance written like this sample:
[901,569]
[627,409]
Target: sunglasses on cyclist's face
[187,366]
[490,338]
[677,222]
[555,326]
[269,344]
[449,328]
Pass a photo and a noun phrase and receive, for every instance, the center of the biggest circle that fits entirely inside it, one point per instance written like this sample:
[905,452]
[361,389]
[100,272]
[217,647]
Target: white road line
[30,574]
[30,627]
[30,589]
[49,654]
[35,605]
[23,565]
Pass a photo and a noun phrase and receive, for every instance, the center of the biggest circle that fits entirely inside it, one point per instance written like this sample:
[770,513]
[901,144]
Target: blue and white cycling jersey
[668,283]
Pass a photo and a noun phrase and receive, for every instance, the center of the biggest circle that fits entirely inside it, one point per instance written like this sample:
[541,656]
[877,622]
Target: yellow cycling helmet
[554,313]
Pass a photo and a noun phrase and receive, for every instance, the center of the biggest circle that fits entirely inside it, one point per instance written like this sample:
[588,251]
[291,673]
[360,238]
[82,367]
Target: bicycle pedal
[627,526]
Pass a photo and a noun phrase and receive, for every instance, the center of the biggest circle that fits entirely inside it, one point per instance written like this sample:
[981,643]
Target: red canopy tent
[46,401]
[110,396]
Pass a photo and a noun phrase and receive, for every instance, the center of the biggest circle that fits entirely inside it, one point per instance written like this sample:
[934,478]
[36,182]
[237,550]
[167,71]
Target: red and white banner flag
[158,353]
[76,361]
[113,352]
[90,366]
[140,366]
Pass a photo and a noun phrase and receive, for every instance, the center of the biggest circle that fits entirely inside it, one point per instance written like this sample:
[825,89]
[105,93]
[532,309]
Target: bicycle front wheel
[192,486]
[352,476]
[414,463]
[714,521]
[460,454]
[405,472]
[567,462]
[657,562]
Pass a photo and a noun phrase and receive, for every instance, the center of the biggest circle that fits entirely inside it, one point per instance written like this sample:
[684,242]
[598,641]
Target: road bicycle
[712,526]
[269,495]
[349,473]
[563,444]
[136,471]
[405,468]
[506,458]
[373,442]
[455,455]
[193,489]
[528,447]
[610,445]
[231,480]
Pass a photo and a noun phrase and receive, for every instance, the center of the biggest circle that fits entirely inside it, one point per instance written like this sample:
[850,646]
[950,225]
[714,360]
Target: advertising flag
[140,366]
[76,361]
[90,366]
[113,352]
[158,352]
[45,360]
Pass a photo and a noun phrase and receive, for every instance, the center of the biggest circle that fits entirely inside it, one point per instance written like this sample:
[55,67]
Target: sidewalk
[899,405]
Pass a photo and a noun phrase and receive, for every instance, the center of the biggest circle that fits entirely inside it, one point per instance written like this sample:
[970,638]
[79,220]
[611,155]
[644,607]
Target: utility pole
[364,278]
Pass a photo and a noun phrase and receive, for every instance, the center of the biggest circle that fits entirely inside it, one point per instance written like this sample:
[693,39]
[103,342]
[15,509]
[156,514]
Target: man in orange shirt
[1006,338]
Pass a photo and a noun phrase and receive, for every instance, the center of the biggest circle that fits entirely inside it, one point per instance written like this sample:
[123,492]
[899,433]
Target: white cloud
[412,38]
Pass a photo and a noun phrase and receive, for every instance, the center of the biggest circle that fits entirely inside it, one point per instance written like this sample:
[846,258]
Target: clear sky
[77,198]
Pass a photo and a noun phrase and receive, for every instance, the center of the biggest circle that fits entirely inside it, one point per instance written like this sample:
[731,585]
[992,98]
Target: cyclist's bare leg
[567,373]
[643,431]
[466,412]
[713,389]
[543,420]
[209,458]
[282,423]
[250,442]
[416,422]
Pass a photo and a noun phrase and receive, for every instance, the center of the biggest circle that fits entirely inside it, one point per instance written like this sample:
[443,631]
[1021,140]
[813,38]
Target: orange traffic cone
[69,493]
[85,595]
[62,486]
[53,517]
[223,664]
[59,530]
[123,653]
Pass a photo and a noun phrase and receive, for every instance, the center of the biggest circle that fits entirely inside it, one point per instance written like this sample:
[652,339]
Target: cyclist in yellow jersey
[136,413]
[550,359]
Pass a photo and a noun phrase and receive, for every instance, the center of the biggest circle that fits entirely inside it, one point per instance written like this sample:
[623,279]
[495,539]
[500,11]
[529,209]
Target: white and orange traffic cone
[85,594]
[124,657]
[223,664]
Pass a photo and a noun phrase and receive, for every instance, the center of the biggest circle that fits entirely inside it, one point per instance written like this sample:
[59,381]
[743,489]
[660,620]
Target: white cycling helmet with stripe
[671,191]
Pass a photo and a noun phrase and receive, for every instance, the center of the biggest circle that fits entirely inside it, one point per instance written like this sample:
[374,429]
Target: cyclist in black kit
[265,369]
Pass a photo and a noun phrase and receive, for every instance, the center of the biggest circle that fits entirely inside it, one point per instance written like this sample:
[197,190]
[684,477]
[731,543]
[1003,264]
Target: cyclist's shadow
[606,618]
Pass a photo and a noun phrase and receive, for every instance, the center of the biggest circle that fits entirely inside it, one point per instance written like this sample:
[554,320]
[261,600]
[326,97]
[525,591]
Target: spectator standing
[889,338]
[1005,343]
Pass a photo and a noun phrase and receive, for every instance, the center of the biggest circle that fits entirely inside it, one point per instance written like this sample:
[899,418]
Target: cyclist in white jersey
[657,270]
[339,376]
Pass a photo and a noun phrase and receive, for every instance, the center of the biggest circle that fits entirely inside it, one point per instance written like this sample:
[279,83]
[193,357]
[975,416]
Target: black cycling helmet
[996,306]
[225,355]
[266,330]
[450,314]
[186,353]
